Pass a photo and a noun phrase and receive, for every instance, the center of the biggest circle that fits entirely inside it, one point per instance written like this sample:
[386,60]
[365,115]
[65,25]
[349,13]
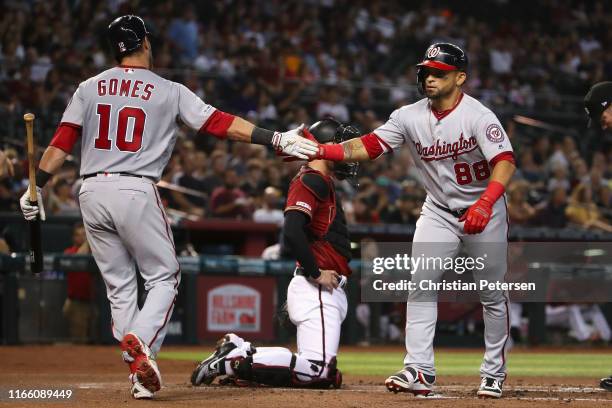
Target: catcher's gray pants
[440,234]
[127,226]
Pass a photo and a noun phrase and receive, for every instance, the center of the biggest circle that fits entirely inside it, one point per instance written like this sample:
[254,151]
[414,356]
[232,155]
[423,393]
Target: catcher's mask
[331,131]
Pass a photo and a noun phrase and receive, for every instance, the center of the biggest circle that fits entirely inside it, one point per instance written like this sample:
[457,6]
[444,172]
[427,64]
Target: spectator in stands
[19,182]
[229,201]
[6,171]
[266,110]
[6,166]
[559,178]
[218,164]
[405,211]
[569,149]
[183,32]
[78,308]
[583,212]
[330,106]
[362,107]
[553,215]
[245,103]
[580,171]
[529,170]
[519,210]
[192,177]
[541,151]
[501,57]
[558,157]
[363,213]
[61,201]
[254,183]
[271,207]
[275,177]
[601,191]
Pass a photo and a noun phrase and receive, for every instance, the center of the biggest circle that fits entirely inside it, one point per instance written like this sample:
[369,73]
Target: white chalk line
[516,388]
[381,389]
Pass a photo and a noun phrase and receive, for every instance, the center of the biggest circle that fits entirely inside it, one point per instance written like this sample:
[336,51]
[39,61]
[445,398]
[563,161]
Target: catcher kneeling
[315,234]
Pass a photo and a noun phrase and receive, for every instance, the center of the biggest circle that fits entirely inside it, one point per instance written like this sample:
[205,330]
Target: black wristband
[262,136]
[42,177]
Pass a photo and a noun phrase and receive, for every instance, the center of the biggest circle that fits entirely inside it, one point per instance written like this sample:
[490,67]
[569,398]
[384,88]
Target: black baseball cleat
[334,374]
[606,383]
[213,366]
[490,388]
[411,380]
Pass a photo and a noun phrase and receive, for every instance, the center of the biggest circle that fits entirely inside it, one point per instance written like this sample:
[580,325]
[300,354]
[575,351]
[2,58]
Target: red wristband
[332,152]
[494,191]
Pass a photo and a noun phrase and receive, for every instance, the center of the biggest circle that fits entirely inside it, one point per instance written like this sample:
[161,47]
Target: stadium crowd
[282,63]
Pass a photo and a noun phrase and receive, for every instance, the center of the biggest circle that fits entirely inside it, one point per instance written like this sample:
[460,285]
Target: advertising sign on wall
[236,305]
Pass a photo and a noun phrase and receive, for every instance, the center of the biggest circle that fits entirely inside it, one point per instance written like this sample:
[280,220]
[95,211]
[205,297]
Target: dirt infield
[98,378]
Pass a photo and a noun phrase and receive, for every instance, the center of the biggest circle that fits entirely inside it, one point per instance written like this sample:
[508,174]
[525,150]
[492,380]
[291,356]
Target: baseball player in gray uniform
[598,106]
[126,118]
[466,162]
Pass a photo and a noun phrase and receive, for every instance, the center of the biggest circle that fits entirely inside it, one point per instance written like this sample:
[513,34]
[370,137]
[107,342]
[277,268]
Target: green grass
[379,363]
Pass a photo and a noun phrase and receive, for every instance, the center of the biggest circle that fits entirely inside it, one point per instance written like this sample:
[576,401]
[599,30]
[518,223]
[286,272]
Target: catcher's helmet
[442,56]
[126,34]
[597,100]
[331,131]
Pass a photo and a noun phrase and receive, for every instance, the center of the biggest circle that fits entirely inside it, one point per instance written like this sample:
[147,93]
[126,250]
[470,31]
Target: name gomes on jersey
[126,87]
[439,151]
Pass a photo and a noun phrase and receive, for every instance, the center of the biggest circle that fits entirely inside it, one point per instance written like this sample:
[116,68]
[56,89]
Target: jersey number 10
[463,173]
[125,113]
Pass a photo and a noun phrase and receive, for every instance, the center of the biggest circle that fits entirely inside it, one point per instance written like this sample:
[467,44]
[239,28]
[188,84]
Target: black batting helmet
[331,131]
[442,56]
[597,100]
[126,34]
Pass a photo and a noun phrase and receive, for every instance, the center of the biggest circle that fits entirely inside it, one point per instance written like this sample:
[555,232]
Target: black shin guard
[275,376]
[262,374]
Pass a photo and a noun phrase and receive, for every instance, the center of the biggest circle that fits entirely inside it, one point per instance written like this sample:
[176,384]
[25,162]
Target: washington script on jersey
[439,151]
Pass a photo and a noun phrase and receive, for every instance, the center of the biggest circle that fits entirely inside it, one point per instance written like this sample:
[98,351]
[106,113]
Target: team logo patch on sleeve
[495,133]
[304,205]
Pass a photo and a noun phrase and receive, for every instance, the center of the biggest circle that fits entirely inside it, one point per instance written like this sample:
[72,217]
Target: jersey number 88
[463,172]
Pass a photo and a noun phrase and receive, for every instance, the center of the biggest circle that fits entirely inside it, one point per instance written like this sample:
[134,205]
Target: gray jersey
[453,153]
[129,120]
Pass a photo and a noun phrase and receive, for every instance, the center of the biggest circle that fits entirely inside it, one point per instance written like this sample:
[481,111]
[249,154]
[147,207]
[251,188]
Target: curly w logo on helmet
[433,52]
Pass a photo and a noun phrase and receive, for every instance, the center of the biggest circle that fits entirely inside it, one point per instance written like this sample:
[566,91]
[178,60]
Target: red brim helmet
[442,56]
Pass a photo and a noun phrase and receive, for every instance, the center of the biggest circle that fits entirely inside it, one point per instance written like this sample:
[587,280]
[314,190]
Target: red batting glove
[477,216]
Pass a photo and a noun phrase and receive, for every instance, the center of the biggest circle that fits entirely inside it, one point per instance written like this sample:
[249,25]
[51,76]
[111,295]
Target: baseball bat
[36,256]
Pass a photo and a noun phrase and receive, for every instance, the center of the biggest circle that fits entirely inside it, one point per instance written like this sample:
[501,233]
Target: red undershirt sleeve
[217,124]
[374,145]
[507,156]
[66,136]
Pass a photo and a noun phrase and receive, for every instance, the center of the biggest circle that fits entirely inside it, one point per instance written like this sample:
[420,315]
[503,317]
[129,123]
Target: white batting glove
[292,143]
[30,211]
